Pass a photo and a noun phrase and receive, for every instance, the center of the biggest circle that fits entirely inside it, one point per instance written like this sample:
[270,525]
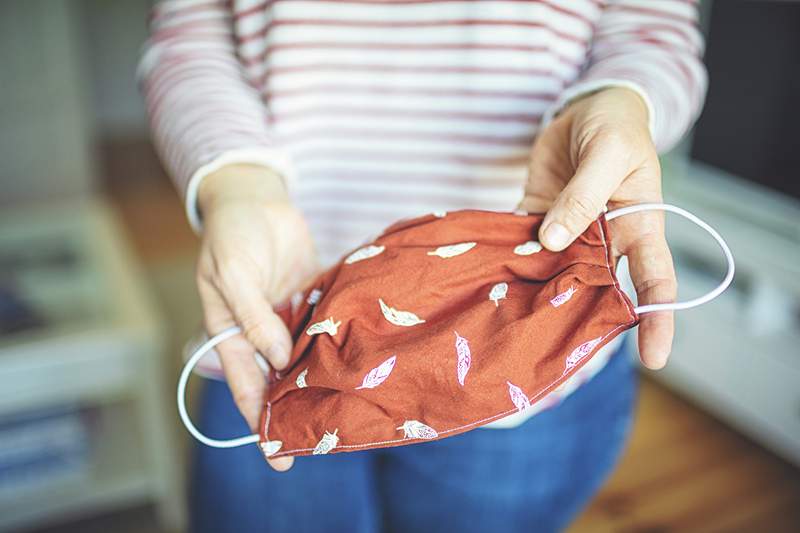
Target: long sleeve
[653,47]
[203,111]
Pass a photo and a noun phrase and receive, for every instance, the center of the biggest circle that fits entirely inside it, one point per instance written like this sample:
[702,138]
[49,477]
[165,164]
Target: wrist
[632,102]
[621,102]
[241,183]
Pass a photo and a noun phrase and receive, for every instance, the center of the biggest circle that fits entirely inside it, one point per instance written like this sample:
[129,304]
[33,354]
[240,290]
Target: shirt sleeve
[204,112]
[652,47]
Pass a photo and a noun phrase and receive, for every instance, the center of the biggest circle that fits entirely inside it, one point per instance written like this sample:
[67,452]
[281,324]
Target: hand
[598,152]
[256,251]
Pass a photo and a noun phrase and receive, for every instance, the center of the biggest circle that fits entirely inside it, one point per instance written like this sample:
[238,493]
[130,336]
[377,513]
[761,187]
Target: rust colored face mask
[443,324]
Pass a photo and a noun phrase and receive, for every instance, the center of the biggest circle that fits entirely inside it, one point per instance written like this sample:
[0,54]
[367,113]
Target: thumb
[581,201]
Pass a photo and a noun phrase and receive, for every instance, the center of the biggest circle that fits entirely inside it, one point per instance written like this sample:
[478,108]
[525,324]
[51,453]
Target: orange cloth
[442,324]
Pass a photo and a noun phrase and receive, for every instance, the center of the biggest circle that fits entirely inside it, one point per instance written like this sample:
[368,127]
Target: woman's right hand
[256,251]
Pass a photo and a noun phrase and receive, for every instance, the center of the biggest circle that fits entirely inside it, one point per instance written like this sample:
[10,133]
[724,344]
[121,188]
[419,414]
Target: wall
[112,39]
[45,127]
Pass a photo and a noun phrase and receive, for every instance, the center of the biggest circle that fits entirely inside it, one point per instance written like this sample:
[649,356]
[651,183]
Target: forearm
[204,113]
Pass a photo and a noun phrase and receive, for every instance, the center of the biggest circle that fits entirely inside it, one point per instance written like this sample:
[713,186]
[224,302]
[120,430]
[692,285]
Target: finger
[583,199]
[241,290]
[261,325]
[242,373]
[281,464]
[653,275]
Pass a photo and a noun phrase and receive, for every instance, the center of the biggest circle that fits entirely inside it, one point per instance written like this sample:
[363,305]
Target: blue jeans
[535,477]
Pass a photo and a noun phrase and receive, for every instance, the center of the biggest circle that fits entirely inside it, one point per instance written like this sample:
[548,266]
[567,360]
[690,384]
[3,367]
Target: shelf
[99,351]
[100,346]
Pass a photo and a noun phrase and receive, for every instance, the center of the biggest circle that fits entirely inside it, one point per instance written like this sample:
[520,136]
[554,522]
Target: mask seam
[622,297]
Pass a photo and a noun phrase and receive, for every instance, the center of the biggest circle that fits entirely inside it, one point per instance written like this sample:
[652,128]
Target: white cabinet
[738,356]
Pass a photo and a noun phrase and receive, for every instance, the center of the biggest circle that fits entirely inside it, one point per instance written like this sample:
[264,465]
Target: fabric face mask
[443,324]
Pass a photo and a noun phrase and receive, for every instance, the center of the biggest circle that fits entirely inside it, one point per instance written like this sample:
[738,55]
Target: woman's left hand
[597,152]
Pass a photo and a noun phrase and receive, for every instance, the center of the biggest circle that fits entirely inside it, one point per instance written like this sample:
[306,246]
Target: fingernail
[556,236]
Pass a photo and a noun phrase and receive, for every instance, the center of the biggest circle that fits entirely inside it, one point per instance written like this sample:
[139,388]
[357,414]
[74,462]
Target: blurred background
[97,290]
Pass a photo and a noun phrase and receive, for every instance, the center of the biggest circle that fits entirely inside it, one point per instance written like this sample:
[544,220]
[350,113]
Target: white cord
[700,300]
[184,379]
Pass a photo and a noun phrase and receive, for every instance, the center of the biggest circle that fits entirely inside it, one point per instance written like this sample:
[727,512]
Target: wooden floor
[682,471]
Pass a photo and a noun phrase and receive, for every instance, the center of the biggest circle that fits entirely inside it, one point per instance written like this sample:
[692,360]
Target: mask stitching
[492,418]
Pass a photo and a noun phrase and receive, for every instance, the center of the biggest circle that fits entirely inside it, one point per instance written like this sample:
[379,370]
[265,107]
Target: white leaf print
[464,358]
[364,253]
[301,379]
[313,296]
[528,248]
[326,326]
[378,375]
[453,250]
[518,397]
[439,214]
[414,429]
[399,318]
[271,447]
[563,297]
[580,352]
[326,443]
[498,292]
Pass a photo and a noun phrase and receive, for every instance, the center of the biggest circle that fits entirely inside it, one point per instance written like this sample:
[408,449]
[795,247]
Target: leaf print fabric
[519,399]
[414,429]
[328,442]
[453,250]
[528,248]
[563,297]
[464,358]
[378,374]
[270,447]
[314,296]
[364,253]
[498,293]
[399,318]
[437,345]
[580,352]
[326,326]
[301,379]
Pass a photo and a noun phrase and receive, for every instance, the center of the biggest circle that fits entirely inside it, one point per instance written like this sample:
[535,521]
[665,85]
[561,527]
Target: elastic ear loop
[230,332]
[700,300]
[184,379]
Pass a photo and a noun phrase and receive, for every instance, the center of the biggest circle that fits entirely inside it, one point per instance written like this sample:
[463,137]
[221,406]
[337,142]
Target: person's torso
[390,109]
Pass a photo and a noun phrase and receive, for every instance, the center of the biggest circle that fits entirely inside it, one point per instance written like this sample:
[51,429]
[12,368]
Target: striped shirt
[376,110]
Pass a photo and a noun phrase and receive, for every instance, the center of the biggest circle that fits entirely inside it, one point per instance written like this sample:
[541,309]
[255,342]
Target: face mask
[443,324]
